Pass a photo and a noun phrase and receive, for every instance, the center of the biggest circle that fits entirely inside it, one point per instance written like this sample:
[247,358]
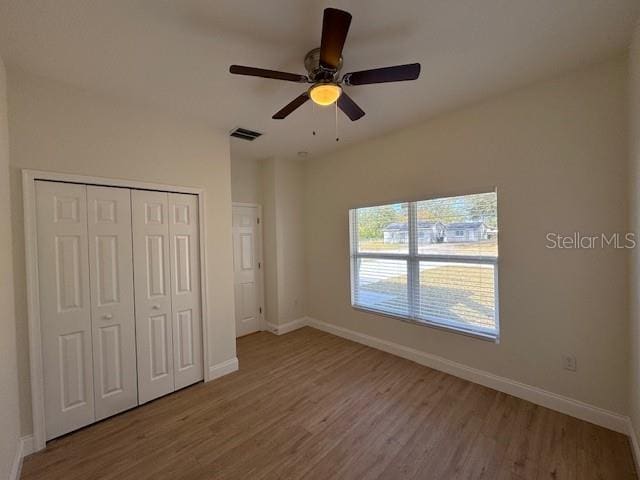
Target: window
[433,262]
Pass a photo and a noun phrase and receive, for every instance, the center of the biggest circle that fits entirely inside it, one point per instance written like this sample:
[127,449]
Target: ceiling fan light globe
[325,93]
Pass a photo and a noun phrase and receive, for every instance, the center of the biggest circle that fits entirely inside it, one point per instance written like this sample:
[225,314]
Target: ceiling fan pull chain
[313,115]
[337,138]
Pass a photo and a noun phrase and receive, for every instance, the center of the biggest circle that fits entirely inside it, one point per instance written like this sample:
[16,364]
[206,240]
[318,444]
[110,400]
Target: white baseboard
[28,447]
[24,447]
[16,468]
[224,368]
[289,326]
[635,446]
[560,403]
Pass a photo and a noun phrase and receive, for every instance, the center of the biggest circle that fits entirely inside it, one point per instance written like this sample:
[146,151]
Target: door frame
[29,178]
[262,322]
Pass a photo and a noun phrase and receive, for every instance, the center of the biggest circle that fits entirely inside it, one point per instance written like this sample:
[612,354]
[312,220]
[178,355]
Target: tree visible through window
[432,261]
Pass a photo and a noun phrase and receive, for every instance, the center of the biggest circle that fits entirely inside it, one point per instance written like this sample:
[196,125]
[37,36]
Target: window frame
[413,259]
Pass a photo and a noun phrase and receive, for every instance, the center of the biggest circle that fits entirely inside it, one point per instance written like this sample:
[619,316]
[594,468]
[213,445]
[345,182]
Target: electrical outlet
[569,363]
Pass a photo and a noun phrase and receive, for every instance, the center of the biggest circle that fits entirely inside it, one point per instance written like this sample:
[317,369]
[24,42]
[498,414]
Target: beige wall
[59,128]
[557,152]
[9,419]
[246,179]
[284,253]
[634,175]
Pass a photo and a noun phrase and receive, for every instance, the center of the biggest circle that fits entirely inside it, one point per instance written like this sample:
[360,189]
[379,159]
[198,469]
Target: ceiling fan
[323,66]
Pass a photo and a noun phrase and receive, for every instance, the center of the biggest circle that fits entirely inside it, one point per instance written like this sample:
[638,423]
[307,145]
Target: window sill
[489,337]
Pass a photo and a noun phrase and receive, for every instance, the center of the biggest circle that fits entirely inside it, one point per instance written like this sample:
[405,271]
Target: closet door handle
[107,316]
[156,307]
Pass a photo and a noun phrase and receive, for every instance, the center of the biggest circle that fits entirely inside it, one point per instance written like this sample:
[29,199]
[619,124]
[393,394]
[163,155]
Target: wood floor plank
[309,405]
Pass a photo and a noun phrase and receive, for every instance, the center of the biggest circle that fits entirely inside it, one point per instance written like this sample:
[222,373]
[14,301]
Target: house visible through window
[433,262]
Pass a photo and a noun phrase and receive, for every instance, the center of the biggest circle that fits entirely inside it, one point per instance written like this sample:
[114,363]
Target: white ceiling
[176,54]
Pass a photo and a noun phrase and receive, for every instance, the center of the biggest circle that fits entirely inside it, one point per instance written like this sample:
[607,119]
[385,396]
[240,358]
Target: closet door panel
[112,302]
[185,294]
[152,283]
[65,306]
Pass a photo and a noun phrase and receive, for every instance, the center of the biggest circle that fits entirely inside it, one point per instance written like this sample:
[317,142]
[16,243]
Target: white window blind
[433,262]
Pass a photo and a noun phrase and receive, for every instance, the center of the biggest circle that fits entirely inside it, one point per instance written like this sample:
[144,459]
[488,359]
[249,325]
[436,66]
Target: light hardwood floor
[309,405]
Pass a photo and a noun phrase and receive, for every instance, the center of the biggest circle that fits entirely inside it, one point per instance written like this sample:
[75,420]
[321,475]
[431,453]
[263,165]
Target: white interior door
[247,251]
[112,309]
[65,306]
[154,335]
[185,289]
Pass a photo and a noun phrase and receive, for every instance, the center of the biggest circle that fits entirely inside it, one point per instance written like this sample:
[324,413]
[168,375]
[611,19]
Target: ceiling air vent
[245,134]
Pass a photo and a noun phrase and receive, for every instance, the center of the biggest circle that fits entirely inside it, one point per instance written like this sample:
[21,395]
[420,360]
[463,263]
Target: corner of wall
[10,446]
[269,234]
[634,226]
[283,211]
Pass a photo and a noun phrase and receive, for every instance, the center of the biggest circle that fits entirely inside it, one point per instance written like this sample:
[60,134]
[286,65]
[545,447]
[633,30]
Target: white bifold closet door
[119,289]
[153,293]
[65,306]
[86,303]
[167,303]
[112,312]
[185,292]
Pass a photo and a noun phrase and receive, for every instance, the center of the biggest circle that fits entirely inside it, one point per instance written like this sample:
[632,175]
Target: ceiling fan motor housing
[318,73]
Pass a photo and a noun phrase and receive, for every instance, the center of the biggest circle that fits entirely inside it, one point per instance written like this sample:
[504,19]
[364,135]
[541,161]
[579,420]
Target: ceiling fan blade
[399,73]
[261,72]
[349,107]
[290,107]
[335,26]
